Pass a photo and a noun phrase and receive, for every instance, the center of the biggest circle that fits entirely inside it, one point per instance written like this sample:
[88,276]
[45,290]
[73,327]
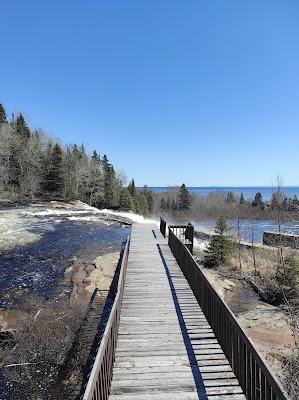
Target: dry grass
[31,365]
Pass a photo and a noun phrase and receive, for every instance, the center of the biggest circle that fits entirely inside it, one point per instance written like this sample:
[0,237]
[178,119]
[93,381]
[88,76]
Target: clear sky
[204,92]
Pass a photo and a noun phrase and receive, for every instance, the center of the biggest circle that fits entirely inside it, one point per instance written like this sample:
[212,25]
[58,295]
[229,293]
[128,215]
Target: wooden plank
[165,341]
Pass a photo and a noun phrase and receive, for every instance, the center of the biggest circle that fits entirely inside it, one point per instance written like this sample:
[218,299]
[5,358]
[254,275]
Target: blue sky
[204,92]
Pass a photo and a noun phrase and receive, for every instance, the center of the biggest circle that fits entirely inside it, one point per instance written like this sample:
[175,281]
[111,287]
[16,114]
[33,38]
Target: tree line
[34,166]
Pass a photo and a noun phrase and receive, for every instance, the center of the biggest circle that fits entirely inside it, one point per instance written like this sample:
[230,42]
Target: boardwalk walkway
[166,348]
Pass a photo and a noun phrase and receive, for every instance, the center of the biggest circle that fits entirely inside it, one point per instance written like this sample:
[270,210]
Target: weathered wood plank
[164,338]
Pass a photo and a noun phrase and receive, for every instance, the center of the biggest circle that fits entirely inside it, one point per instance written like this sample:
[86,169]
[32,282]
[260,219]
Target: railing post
[163,226]
[189,234]
[255,377]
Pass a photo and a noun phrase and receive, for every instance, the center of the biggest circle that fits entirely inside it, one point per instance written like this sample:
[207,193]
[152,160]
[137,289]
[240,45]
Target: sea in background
[248,191]
[250,229]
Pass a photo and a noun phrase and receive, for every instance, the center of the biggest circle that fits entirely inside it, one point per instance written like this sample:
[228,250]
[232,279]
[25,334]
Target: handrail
[163,226]
[99,381]
[257,380]
[185,233]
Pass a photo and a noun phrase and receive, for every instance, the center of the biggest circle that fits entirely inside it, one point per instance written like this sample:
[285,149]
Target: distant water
[249,229]
[248,192]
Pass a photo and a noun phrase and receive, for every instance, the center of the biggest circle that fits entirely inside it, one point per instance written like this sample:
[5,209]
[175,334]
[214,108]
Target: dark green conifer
[184,198]
[143,204]
[149,197]
[168,204]
[109,183]
[220,247]
[230,198]
[125,200]
[162,204]
[132,188]
[53,180]
[21,128]
[258,201]
[242,200]
[174,205]
[2,114]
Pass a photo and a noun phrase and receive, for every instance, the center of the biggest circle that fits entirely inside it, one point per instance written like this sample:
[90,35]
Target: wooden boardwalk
[166,348]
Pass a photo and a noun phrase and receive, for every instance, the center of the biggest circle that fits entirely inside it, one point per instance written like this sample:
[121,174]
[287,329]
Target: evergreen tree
[174,205]
[242,200]
[22,130]
[230,198]
[2,114]
[184,198]
[125,200]
[168,204]
[162,204]
[136,203]
[149,197]
[53,179]
[287,276]
[295,200]
[132,188]
[109,183]
[220,247]
[94,181]
[258,201]
[143,204]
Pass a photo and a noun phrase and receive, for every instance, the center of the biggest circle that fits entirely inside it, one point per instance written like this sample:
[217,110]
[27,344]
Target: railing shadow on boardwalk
[256,378]
[200,387]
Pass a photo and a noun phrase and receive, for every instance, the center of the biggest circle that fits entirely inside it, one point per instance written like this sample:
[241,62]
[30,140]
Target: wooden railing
[185,233]
[99,381]
[163,226]
[255,377]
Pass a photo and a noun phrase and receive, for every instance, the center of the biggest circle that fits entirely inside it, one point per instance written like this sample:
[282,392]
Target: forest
[35,166]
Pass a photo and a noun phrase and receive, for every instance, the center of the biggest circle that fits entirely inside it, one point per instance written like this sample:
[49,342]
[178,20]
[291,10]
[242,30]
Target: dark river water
[37,268]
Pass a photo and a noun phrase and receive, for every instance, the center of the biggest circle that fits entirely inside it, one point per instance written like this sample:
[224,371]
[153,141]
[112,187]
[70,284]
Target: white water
[25,225]
[130,215]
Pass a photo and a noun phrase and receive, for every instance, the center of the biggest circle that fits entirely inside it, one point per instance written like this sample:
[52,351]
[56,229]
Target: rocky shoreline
[70,249]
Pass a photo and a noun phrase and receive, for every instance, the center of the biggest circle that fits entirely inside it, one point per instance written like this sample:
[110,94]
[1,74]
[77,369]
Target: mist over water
[248,192]
[248,228]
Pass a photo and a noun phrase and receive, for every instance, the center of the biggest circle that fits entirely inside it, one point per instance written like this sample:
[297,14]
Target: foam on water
[130,215]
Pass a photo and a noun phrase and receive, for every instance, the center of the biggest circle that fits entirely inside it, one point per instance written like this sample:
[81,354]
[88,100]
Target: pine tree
[2,114]
[168,204]
[220,247]
[184,199]
[258,201]
[149,197]
[94,181]
[174,205]
[143,204]
[53,180]
[132,188]
[22,130]
[287,276]
[242,200]
[230,198]
[109,184]
[162,204]
[136,203]
[125,200]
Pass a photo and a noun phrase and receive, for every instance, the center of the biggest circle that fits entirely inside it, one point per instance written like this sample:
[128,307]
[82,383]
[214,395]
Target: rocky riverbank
[52,257]
[269,327]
